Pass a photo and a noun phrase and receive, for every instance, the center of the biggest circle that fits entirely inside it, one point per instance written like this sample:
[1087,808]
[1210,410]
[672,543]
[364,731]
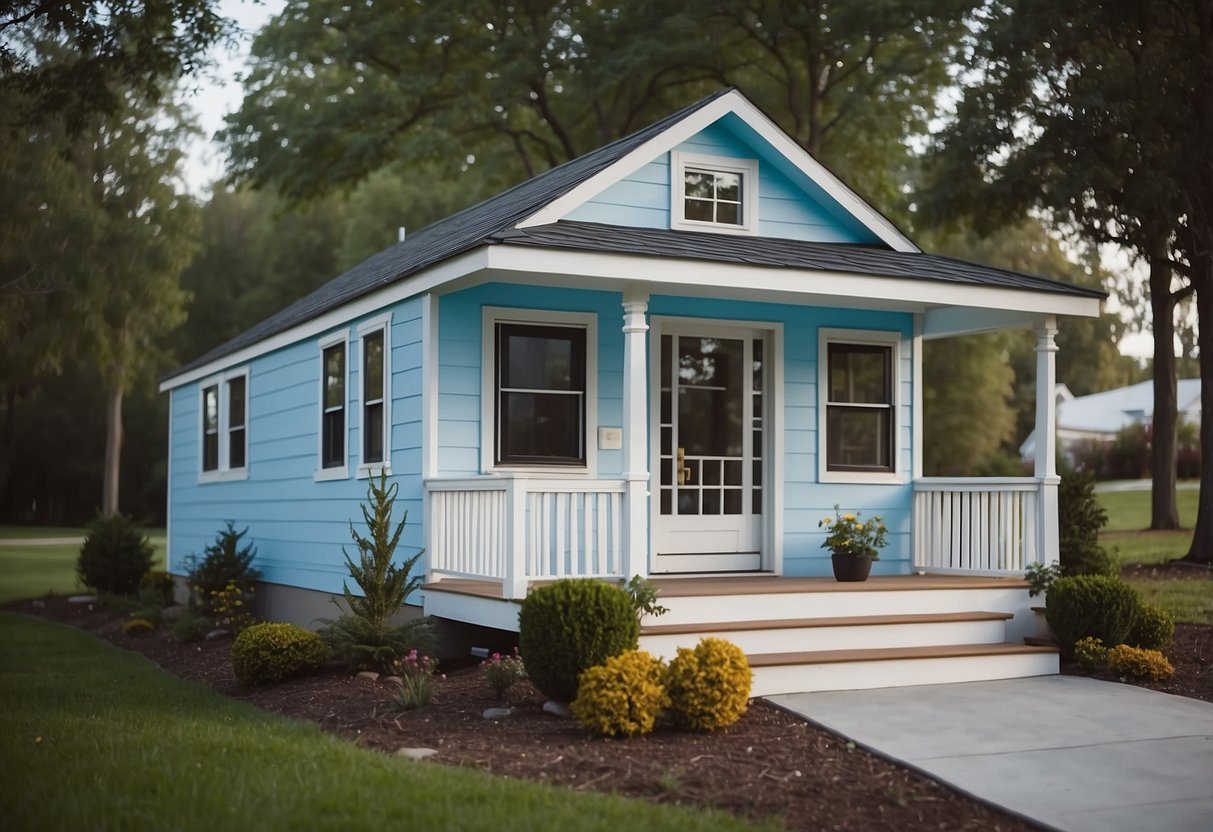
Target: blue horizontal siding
[298,525]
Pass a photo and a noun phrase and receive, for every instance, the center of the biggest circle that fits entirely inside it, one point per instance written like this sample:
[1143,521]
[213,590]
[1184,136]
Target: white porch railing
[517,529]
[978,525]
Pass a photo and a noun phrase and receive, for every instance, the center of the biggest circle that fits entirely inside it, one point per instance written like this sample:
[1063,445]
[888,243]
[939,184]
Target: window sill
[373,470]
[554,471]
[712,227]
[863,477]
[232,475]
[326,474]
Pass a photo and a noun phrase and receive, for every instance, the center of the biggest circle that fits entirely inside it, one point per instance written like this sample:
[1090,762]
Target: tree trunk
[113,452]
[1202,539]
[1164,510]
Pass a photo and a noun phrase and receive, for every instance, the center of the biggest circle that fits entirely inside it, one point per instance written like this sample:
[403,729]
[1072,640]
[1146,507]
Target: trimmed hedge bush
[570,626]
[1098,606]
[709,685]
[1152,629]
[624,695]
[269,652]
[115,555]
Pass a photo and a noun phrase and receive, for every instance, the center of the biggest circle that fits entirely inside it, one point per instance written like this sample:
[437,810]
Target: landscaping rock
[81,599]
[219,633]
[415,753]
[557,709]
[369,674]
[393,680]
[498,713]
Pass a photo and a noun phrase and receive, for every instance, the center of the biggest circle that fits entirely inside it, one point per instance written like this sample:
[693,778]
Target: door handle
[684,473]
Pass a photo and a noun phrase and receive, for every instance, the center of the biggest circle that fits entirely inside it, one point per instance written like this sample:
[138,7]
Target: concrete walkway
[1062,751]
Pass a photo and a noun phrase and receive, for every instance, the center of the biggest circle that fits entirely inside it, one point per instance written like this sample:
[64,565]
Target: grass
[33,570]
[93,737]
[26,532]
[1129,511]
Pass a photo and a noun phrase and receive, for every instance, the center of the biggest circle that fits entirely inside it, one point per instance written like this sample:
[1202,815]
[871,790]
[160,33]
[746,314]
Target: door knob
[684,473]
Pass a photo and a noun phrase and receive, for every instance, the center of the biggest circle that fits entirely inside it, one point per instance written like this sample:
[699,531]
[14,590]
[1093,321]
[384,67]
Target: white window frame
[382,324]
[859,337]
[748,170]
[340,472]
[225,472]
[493,315]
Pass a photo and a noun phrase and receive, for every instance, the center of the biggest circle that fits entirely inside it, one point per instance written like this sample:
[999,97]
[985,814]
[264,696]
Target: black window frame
[576,335]
[889,405]
[234,441]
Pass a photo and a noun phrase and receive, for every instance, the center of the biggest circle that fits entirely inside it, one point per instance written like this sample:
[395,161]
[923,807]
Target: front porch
[804,634]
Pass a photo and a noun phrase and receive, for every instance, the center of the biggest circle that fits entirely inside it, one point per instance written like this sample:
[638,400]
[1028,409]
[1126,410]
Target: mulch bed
[769,765]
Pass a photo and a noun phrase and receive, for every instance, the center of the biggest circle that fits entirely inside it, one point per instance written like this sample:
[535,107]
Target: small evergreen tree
[222,563]
[365,638]
[1080,519]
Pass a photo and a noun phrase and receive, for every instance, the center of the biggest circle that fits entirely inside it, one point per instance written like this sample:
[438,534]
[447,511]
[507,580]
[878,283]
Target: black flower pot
[851,567]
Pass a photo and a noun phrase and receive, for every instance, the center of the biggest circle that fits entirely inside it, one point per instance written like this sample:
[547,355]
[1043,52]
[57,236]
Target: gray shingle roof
[767,251]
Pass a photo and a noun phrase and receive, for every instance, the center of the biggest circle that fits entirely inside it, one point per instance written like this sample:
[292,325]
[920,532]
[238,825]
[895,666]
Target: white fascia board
[674,276]
[737,104]
[423,281]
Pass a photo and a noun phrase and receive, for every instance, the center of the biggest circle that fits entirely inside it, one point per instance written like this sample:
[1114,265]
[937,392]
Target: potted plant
[853,544]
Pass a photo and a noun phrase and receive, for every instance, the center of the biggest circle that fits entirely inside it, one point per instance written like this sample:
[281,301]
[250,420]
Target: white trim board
[380,323]
[732,102]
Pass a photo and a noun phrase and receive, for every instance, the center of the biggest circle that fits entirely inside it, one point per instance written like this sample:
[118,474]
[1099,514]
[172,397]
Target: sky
[219,92]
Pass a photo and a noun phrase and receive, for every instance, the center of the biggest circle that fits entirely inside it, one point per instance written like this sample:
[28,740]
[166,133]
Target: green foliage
[1090,654]
[571,625]
[709,685]
[269,652]
[1099,606]
[623,695]
[847,534]
[190,626]
[1041,577]
[157,581]
[231,607]
[225,562]
[1080,518]
[644,597]
[1136,663]
[502,672]
[1153,628]
[365,638]
[138,627]
[115,555]
[416,688]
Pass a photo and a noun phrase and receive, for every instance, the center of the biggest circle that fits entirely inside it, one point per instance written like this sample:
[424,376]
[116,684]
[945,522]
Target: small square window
[713,193]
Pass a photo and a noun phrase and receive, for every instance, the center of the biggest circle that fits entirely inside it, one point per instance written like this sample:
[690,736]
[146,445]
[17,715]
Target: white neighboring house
[1100,416]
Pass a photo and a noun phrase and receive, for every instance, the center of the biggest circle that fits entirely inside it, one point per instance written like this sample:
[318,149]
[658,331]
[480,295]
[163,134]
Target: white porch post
[635,559]
[1046,441]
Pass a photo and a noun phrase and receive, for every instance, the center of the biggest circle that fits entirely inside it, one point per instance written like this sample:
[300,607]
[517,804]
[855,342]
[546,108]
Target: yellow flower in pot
[853,544]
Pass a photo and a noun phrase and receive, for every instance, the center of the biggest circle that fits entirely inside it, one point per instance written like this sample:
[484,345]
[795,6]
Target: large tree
[1101,113]
[141,45]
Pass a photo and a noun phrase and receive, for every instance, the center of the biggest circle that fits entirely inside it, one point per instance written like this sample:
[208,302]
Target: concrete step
[793,672]
[838,633]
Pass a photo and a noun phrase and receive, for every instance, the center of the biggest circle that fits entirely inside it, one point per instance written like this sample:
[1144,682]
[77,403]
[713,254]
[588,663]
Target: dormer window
[711,193]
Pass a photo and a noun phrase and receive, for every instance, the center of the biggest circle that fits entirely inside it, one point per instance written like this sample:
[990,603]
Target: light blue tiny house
[671,358]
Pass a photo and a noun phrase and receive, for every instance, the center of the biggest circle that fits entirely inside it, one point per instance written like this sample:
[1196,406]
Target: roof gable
[735,113]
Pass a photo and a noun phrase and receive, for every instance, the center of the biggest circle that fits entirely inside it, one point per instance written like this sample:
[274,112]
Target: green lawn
[1130,510]
[93,737]
[33,570]
[26,532]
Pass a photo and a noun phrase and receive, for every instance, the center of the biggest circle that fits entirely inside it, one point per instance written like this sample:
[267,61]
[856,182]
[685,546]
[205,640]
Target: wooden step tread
[808,623]
[772,585]
[943,651]
[1037,641]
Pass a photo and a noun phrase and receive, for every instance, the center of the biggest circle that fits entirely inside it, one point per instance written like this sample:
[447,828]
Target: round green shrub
[571,625]
[1090,654]
[160,583]
[624,695]
[138,627]
[709,685]
[269,652]
[1152,629]
[1098,606]
[115,555]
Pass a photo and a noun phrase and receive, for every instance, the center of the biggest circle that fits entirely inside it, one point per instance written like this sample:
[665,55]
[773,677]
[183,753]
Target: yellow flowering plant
[849,535]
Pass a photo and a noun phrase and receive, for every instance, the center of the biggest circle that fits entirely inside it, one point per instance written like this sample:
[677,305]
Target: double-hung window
[374,383]
[333,404]
[710,193]
[858,427]
[541,389]
[224,426]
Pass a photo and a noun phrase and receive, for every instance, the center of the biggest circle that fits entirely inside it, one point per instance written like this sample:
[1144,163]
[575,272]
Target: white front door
[710,442]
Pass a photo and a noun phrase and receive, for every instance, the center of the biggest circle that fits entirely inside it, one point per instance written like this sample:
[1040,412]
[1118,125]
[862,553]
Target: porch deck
[820,634]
